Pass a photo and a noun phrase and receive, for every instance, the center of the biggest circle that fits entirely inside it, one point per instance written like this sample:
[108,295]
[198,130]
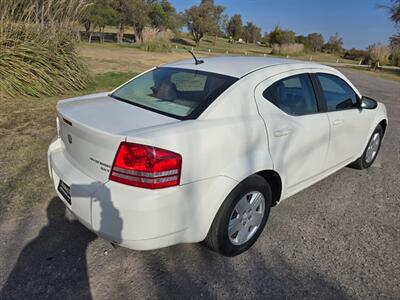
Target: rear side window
[294,95]
[338,94]
[179,93]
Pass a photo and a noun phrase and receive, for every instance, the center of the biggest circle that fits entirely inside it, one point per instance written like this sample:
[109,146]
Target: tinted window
[176,92]
[189,81]
[294,95]
[338,94]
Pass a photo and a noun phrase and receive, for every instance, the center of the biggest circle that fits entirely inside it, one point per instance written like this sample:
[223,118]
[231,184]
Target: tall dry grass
[38,47]
[395,55]
[286,49]
[379,54]
[157,41]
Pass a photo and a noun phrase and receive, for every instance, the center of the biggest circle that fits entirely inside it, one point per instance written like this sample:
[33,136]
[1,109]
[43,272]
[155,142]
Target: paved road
[338,239]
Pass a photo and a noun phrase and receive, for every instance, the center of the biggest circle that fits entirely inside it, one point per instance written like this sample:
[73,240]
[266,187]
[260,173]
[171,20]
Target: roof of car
[236,66]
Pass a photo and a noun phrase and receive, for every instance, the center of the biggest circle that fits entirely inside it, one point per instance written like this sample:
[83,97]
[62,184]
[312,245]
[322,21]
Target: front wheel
[371,152]
[241,218]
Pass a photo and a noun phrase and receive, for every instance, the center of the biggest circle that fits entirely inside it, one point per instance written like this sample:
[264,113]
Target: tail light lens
[146,166]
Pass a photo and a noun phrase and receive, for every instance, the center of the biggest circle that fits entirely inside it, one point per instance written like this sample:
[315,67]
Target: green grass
[109,81]
[222,46]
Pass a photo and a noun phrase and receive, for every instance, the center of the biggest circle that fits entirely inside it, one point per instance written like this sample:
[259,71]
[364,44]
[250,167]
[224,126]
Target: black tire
[361,163]
[217,238]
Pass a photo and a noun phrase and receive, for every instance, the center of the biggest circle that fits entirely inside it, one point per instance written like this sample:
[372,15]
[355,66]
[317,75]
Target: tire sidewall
[379,130]
[253,183]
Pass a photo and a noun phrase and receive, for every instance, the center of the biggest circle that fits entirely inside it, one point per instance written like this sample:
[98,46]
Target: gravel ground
[338,239]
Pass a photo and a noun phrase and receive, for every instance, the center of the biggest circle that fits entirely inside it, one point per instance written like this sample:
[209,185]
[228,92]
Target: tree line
[209,19]
[205,19]
[137,14]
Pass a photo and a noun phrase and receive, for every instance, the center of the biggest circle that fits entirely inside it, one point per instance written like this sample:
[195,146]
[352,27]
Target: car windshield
[179,93]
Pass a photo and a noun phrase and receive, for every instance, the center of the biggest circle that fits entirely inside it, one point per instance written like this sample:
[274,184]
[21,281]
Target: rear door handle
[283,132]
[337,122]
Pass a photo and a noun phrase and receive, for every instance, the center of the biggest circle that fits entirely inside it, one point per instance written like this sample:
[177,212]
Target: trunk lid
[92,127]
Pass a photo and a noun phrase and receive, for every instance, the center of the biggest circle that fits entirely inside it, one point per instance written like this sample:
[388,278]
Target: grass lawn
[221,45]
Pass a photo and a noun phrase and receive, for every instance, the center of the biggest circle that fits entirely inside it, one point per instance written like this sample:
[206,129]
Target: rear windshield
[179,93]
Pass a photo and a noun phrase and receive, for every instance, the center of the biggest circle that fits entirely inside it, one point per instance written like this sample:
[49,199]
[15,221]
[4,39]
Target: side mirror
[368,103]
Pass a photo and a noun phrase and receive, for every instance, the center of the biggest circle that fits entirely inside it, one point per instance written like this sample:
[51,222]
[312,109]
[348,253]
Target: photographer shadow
[53,265]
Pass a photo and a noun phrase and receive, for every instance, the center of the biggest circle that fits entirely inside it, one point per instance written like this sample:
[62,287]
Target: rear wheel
[241,218]
[371,152]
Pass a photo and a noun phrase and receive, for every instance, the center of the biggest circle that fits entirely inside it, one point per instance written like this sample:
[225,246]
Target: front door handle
[337,122]
[283,132]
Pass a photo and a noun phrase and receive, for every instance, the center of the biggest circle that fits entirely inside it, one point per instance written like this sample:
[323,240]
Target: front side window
[294,95]
[338,94]
[179,93]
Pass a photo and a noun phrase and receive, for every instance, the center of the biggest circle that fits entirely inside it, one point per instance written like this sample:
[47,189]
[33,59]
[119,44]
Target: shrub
[355,54]
[286,49]
[38,51]
[156,46]
[156,41]
[379,53]
[395,55]
[281,37]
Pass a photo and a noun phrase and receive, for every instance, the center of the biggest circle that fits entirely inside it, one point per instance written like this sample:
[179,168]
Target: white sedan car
[187,151]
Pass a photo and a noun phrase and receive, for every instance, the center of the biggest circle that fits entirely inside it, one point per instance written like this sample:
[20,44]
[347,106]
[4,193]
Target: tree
[395,40]
[218,17]
[265,39]
[162,15]
[315,41]
[394,11]
[301,39]
[224,25]
[203,19]
[334,44]
[123,10]
[98,15]
[138,17]
[251,33]
[235,27]
[279,36]
[85,19]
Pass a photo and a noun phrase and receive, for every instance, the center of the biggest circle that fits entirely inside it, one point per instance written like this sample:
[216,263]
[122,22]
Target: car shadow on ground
[54,265]
[187,271]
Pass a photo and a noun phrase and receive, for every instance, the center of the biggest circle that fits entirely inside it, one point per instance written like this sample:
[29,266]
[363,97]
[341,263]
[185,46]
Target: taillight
[146,166]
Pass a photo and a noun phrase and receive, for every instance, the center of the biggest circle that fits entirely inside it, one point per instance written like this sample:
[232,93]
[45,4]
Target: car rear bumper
[138,218]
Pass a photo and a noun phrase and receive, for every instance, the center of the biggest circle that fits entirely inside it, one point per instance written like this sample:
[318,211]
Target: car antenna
[197,61]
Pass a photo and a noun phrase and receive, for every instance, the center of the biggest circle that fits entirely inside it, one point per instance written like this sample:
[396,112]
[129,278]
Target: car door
[349,124]
[298,133]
